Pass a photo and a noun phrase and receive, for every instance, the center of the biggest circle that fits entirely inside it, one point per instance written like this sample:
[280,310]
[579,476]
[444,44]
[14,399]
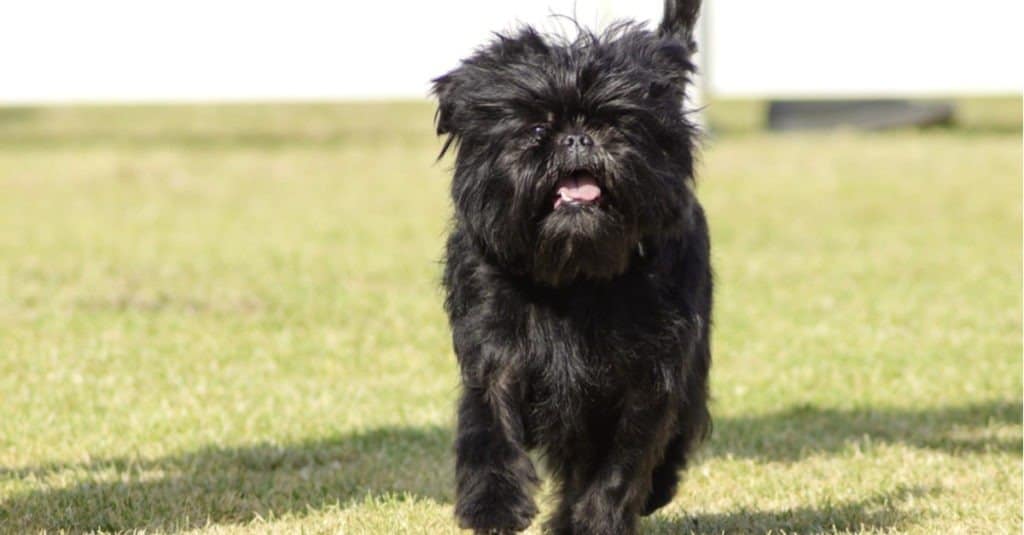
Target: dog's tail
[680,21]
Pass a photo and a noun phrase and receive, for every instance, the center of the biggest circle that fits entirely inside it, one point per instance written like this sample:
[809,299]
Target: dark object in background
[876,114]
[577,274]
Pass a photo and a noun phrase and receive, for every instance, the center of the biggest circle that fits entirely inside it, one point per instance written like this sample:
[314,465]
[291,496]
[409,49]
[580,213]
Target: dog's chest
[596,344]
[581,362]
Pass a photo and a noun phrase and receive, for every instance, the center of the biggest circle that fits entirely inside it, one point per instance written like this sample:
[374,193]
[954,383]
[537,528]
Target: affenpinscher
[577,274]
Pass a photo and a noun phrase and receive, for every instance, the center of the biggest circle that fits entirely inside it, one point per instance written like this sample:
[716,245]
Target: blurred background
[220,227]
[124,51]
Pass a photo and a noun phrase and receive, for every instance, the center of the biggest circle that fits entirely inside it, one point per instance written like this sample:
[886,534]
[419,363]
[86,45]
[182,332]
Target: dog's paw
[664,481]
[659,497]
[653,503]
[496,510]
[594,514]
[496,520]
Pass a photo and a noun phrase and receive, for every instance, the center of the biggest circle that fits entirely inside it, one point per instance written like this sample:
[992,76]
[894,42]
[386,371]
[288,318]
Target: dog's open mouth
[578,188]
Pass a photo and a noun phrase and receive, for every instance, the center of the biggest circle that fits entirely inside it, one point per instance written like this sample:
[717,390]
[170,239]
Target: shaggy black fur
[582,329]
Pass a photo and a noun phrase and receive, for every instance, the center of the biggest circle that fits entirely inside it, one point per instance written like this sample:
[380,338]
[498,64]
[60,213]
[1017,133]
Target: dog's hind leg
[665,478]
[494,476]
[693,426]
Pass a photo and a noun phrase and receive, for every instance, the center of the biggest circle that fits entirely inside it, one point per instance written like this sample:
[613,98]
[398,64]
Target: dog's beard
[579,217]
[560,221]
[593,243]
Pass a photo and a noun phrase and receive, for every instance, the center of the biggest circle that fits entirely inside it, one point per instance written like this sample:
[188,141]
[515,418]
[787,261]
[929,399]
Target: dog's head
[571,152]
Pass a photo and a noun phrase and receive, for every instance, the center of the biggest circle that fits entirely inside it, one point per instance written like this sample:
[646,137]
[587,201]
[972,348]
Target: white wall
[143,50]
[865,47]
[139,50]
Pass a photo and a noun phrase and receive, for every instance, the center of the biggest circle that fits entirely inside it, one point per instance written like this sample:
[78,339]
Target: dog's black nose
[577,140]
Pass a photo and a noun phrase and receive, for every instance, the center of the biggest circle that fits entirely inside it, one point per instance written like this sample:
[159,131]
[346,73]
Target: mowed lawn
[226,319]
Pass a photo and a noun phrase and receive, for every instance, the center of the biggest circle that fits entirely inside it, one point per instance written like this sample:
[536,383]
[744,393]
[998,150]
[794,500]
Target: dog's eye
[539,131]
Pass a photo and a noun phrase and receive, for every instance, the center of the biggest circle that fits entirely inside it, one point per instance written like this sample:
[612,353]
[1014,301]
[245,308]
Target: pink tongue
[579,188]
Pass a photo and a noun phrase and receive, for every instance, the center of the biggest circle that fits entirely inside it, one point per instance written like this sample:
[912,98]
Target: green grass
[227,319]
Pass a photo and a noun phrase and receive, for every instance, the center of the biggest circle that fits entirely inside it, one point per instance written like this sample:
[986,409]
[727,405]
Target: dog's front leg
[615,495]
[494,476]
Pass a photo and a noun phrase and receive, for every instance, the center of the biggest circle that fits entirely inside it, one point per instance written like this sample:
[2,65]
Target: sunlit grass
[227,319]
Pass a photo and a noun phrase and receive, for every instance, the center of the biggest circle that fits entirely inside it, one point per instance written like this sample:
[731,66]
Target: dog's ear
[672,61]
[447,90]
[673,55]
[680,21]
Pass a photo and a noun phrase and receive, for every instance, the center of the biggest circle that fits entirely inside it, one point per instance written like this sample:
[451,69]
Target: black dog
[577,275]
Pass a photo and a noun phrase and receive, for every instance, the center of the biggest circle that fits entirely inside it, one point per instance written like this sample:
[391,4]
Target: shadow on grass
[218,485]
[879,512]
[793,434]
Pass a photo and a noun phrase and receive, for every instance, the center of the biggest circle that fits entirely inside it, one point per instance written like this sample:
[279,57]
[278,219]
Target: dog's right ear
[446,89]
[680,21]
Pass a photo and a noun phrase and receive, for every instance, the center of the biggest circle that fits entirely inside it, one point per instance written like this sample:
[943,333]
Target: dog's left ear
[446,89]
[680,21]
